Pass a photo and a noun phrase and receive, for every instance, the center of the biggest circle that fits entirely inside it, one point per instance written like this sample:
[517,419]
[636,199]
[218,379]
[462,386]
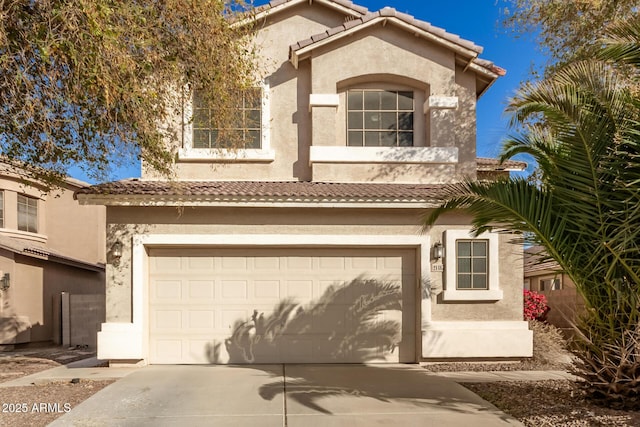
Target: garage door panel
[200,263]
[299,289]
[267,263]
[299,263]
[201,290]
[196,307]
[168,289]
[234,290]
[201,319]
[167,264]
[267,290]
[234,263]
[168,349]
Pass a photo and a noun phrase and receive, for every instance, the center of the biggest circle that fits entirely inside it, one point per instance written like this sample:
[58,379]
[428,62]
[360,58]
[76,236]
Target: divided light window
[380,118]
[550,284]
[472,264]
[1,209]
[246,125]
[27,214]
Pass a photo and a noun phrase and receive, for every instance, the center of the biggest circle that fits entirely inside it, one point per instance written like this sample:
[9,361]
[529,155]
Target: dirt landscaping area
[39,404]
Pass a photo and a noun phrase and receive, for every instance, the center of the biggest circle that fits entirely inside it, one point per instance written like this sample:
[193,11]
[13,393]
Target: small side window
[27,214]
[472,264]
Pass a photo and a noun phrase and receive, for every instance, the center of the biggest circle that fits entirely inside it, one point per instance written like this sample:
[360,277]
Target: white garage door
[281,305]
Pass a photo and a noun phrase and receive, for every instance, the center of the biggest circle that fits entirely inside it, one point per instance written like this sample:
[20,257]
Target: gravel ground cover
[551,403]
[39,405]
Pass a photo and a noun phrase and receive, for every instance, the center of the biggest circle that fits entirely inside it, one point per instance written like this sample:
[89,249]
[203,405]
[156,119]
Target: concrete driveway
[285,395]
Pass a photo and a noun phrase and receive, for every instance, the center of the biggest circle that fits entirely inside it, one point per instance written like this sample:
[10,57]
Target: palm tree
[581,126]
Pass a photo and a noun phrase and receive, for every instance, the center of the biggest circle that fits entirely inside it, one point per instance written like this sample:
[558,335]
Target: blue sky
[475,20]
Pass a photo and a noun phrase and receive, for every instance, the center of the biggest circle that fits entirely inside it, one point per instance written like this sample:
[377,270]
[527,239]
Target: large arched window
[382,110]
[380,118]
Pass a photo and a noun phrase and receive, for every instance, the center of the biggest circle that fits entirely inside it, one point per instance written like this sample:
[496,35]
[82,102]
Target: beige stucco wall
[35,289]
[65,217]
[380,56]
[125,222]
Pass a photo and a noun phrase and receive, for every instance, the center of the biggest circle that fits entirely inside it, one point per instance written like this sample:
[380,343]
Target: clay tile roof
[488,164]
[344,3]
[537,259]
[294,189]
[389,12]
[491,66]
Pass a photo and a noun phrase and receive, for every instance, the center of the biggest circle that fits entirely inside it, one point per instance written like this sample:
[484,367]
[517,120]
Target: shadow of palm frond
[346,322]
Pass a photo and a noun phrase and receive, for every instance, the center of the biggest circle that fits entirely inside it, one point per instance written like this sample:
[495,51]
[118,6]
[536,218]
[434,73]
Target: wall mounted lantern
[438,251]
[116,253]
[5,282]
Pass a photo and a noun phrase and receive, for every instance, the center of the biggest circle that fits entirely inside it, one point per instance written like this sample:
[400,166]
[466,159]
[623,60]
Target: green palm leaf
[582,127]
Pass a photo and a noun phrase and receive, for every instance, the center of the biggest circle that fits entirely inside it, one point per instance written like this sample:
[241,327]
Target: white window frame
[553,280]
[28,212]
[2,209]
[471,258]
[263,154]
[451,293]
[397,111]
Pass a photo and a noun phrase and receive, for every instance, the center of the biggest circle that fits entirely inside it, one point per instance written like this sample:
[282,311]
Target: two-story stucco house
[362,118]
[49,244]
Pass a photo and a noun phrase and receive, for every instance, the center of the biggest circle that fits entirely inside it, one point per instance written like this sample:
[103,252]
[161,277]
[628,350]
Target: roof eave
[253,201]
[499,169]
[296,55]
[263,12]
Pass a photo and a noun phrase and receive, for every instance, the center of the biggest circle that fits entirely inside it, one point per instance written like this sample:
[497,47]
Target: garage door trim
[139,328]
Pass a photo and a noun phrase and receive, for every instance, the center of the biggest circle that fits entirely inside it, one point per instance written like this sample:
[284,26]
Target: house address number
[437,267]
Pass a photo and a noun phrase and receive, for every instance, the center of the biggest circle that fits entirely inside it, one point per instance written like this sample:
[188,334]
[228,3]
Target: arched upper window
[380,118]
[384,111]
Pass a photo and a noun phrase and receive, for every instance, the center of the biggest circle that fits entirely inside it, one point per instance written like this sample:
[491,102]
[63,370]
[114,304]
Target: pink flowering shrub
[535,305]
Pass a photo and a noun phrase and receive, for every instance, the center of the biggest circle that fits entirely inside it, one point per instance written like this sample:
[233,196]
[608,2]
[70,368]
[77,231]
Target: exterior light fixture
[438,251]
[5,282]
[116,253]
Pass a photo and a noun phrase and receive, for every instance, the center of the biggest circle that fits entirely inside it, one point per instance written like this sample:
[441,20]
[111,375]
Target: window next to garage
[27,214]
[471,266]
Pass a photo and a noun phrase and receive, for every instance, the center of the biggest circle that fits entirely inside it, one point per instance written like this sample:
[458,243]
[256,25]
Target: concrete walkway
[282,395]
[492,376]
[83,369]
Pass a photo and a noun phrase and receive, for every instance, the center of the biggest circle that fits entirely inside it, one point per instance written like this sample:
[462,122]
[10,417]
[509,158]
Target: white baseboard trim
[120,341]
[482,339]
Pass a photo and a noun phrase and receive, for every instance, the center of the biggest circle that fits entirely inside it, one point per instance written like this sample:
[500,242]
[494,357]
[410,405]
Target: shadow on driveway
[291,395]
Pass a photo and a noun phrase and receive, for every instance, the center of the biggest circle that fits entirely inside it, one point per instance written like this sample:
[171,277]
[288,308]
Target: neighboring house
[49,244]
[274,253]
[546,277]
